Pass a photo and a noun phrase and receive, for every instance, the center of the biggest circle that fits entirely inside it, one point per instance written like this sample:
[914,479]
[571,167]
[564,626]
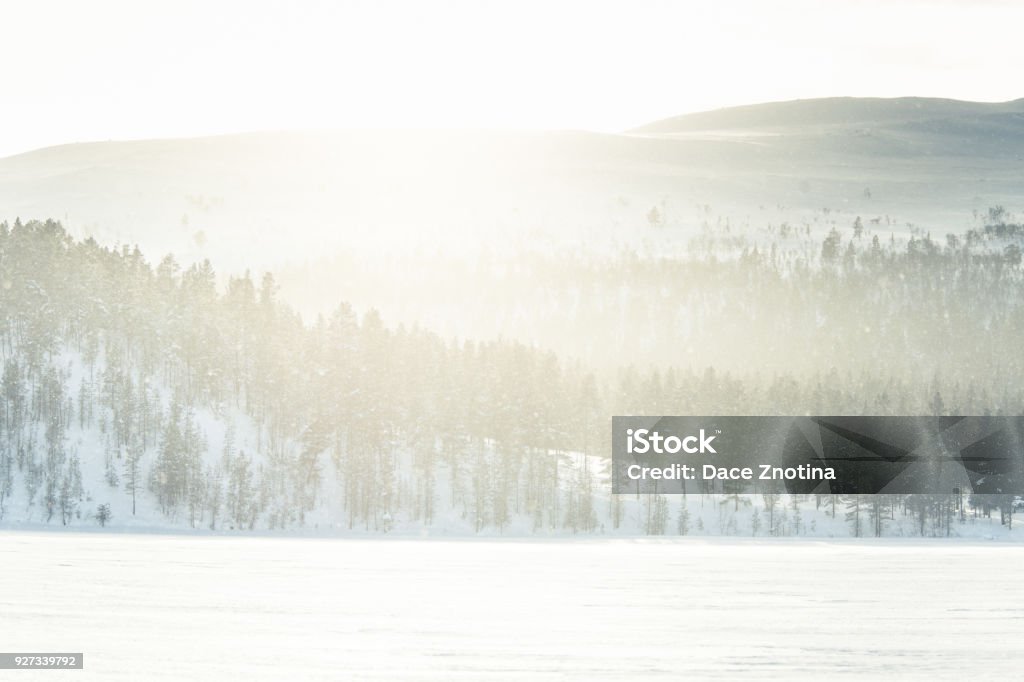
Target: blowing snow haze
[392,219]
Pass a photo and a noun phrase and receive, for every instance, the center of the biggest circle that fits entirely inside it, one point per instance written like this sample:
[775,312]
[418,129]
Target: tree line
[213,402]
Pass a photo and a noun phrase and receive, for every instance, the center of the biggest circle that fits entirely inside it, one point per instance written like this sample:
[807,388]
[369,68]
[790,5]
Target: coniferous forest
[137,390]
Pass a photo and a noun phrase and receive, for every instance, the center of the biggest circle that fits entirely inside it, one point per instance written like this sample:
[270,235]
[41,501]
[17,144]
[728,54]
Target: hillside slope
[813,114]
[147,396]
[266,199]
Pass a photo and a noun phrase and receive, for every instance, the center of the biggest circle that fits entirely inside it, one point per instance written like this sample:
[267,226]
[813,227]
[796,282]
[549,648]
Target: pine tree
[683,518]
[103,515]
[854,507]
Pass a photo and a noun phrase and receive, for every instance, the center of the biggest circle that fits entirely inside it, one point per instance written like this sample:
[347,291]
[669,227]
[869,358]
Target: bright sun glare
[203,68]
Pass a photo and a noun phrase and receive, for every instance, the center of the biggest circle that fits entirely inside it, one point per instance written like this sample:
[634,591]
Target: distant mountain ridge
[831,111]
[296,201]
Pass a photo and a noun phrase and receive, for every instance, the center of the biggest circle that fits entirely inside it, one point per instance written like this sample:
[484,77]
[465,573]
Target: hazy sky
[77,71]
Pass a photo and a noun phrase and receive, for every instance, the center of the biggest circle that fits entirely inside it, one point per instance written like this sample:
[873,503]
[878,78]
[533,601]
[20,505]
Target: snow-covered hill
[309,200]
[150,397]
[93,490]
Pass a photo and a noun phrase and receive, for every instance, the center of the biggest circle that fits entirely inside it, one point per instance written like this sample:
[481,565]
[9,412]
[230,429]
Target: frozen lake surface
[178,607]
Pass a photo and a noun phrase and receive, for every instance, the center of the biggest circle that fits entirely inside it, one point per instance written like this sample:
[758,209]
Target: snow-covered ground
[184,607]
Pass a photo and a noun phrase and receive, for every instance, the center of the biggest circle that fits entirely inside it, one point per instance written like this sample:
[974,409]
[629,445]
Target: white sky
[107,69]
